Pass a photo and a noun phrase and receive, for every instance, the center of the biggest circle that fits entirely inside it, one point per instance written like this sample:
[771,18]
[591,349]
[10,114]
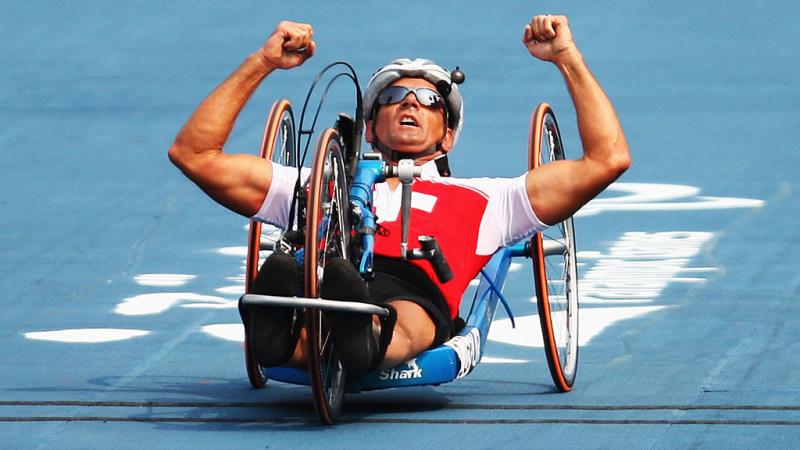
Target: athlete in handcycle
[408,307]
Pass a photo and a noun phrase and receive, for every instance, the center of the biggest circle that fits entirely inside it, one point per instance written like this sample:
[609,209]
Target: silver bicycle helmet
[417,68]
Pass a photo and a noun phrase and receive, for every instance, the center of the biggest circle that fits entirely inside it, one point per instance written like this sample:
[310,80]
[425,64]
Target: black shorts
[398,280]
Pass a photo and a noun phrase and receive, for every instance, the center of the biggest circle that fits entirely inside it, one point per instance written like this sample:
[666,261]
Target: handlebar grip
[437,259]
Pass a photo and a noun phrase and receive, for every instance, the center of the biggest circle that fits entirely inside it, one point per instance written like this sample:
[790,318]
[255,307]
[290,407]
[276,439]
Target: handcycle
[331,216]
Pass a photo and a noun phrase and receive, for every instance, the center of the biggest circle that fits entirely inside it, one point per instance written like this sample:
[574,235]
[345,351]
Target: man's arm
[237,181]
[557,190]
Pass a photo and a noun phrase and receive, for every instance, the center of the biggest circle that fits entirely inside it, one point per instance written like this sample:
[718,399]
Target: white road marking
[144,304]
[233,304]
[654,197]
[592,321]
[239,250]
[86,335]
[227,331]
[237,290]
[163,279]
[640,265]
[495,360]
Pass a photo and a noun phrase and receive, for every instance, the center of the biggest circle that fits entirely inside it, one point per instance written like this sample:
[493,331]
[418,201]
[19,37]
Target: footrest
[315,303]
[447,362]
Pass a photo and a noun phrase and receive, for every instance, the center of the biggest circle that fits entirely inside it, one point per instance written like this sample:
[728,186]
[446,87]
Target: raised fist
[546,37]
[290,45]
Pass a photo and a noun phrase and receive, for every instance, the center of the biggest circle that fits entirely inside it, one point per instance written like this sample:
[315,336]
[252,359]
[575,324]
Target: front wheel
[554,264]
[327,236]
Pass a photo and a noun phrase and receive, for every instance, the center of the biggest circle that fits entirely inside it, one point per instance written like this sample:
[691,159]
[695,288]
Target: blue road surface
[119,278]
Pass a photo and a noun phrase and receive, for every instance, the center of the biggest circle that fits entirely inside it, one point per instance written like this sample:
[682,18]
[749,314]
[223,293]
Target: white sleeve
[275,209]
[509,216]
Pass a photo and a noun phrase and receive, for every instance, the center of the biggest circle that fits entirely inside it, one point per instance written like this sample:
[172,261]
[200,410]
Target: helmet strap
[394,155]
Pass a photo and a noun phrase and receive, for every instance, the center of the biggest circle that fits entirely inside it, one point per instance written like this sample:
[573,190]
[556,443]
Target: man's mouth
[408,121]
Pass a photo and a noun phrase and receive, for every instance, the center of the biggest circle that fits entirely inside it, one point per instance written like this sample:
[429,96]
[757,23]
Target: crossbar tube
[315,303]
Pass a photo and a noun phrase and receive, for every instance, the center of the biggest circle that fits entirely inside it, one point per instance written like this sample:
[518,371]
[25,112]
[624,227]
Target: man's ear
[447,140]
[368,134]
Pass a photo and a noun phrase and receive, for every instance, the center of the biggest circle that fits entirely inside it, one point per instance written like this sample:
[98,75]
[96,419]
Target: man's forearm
[208,128]
[598,124]
[557,190]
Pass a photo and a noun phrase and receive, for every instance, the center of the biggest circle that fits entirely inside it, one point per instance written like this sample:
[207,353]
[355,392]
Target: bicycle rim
[278,145]
[555,266]
[327,235]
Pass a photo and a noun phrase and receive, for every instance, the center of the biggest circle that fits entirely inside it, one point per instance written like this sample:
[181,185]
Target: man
[412,110]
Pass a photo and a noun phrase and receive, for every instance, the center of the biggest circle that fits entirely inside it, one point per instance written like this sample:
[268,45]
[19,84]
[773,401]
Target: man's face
[409,126]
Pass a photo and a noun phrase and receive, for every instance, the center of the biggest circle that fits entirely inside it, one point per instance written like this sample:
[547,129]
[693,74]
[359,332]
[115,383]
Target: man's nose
[410,99]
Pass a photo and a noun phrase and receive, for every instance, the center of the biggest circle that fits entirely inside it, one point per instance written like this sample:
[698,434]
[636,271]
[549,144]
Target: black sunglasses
[396,94]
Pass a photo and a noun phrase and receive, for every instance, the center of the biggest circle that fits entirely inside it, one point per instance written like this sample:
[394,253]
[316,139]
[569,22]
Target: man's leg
[273,331]
[414,332]
[299,359]
[365,343]
[357,342]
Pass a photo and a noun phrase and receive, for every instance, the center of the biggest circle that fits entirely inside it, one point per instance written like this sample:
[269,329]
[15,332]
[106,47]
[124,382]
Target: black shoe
[356,341]
[273,331]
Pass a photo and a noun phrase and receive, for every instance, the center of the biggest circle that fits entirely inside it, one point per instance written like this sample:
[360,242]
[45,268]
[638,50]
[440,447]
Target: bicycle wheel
[278,145]
[327,235]
[554,264]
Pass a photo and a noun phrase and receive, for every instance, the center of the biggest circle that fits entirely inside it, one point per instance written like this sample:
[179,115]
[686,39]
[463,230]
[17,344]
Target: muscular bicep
[239,182]
[557,190]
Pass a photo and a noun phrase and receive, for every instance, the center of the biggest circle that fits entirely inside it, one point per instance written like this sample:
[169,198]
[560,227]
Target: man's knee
[414,330]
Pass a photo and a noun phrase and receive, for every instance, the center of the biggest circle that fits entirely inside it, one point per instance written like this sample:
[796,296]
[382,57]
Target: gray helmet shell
[415,68]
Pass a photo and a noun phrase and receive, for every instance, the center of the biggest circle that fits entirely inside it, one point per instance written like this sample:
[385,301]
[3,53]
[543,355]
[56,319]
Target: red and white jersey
[470,218]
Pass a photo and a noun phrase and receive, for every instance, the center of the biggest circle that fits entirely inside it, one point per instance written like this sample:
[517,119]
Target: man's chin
[408,147]
[409,151]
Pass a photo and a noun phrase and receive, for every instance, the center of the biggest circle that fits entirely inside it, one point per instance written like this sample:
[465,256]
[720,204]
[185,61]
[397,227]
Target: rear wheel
[327,235]
[554,264]
[278,145]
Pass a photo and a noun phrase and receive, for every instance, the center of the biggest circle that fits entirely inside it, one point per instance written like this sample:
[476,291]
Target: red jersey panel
[452,214]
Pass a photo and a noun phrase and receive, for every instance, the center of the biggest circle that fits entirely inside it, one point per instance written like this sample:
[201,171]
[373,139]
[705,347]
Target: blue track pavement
[118,277]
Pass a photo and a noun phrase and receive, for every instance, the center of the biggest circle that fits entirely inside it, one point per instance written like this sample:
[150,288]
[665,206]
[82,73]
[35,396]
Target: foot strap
[294,336]
[387,331]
